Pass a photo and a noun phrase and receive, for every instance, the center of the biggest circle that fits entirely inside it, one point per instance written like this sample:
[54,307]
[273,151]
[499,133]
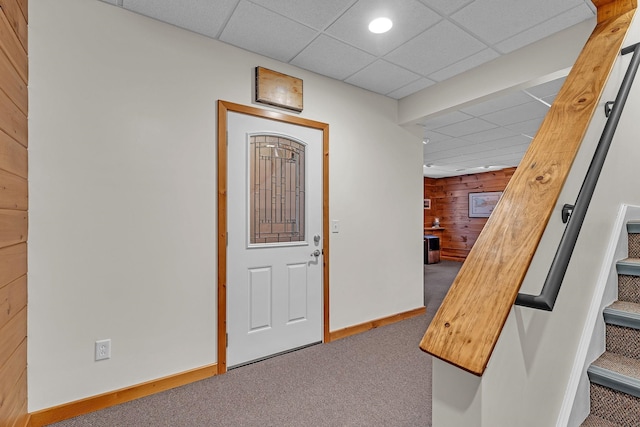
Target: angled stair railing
[466,327]
[547,297]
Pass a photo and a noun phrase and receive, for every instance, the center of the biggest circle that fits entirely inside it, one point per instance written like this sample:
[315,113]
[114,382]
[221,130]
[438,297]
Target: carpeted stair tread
[623,313]
[595,421]
[625,306]
[621,365]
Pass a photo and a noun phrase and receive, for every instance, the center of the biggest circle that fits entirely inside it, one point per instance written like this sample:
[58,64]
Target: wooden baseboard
[366,326]
[105,400]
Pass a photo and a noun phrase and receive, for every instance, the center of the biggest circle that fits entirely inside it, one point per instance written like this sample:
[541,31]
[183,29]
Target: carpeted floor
[377,378]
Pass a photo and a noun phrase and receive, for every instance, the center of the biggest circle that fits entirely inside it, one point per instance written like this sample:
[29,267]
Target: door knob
[316,253]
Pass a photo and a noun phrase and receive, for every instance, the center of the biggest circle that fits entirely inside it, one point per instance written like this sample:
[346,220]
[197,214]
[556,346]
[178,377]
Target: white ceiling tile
[440,46]
[259,30]
[528,127]
[497,104]
[445,120]
[546,89]
[467,127]
[411,88]
[409,17]
[436,137]
[544,29]
[332,58]
[517,114]
[201,16]
[314,13]
[490,135]
[445,145]
[382,77]
[511,141]
[446,7]
[466,64]
[487,18]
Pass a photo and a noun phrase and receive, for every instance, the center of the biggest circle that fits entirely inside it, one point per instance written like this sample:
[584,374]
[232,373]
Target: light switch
[335,226]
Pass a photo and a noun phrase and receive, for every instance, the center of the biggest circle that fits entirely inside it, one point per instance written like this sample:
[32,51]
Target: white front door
[274,254]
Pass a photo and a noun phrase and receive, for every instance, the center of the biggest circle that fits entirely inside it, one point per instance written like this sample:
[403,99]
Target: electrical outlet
[103,349]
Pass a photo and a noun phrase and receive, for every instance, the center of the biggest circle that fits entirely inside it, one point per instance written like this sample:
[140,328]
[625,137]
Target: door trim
[223,108]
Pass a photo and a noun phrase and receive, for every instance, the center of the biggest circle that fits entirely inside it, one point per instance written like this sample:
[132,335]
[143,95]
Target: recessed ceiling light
[380,25]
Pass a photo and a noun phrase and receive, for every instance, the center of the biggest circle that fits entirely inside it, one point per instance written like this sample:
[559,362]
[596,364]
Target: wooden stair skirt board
[615,375]
[90,404]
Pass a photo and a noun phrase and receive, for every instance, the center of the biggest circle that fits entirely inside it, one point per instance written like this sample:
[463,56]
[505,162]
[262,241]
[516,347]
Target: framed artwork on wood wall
[427,203]
[482,204]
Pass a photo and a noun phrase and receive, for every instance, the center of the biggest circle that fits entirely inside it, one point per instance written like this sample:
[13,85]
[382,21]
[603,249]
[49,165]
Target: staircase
[615,376]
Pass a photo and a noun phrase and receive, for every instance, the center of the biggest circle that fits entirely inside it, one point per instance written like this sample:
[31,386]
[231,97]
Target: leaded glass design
[276,190]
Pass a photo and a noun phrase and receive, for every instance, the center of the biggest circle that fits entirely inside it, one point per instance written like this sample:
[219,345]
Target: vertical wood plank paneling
[13,212]
[450,203]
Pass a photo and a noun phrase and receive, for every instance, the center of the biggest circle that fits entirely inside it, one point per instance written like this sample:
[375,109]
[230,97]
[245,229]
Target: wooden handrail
[466,328]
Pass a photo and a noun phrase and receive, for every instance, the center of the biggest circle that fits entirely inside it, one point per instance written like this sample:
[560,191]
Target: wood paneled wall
[13,213]
[450,203]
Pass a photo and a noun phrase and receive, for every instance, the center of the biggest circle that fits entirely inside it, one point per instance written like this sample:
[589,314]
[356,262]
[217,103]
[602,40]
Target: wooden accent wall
[450,203]
[13,213]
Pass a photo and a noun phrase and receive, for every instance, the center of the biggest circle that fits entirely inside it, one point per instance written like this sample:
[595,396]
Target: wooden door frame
[223,108]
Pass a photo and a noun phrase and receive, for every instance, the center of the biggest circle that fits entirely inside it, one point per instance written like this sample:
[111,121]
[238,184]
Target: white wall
[530,368]
[122,179]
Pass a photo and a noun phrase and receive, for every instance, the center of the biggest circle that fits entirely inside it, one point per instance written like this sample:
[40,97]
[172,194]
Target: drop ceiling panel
[409,17]
[505,143]
[446,6]
[260,30]
[467,127]
[490,135]
[438,47]
[468,63]
[332,58]
[314,13]
[497,104]
[411,88]
[517,114]
[542,30]
[547,89]
[202,16]
[382,77]
[528,127]
[445,120]
[486,18]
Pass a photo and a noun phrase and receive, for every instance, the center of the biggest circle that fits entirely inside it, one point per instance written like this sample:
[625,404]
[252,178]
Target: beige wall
[123,184]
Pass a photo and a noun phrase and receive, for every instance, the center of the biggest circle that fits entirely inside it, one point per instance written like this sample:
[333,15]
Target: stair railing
[575,214]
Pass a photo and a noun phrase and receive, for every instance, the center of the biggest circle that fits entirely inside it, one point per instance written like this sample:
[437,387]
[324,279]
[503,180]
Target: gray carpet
[377,378]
